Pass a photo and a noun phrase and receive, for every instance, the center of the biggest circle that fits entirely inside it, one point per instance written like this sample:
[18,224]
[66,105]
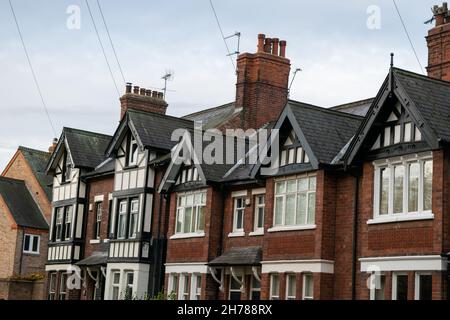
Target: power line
[103,48]
[32,69]
[408,36]
[110,41]
[223,35]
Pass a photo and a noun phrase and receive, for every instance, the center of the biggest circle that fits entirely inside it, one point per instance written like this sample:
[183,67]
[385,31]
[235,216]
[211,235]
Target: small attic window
[66,168]
[132,152]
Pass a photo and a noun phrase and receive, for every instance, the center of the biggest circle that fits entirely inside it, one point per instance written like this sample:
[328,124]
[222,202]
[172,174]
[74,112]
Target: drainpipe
[355,237]
[21,251]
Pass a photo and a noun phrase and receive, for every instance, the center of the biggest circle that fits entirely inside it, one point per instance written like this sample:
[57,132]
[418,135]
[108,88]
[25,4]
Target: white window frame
[195,229]
[304,296]
[68,220]
[115,284]
[253,289]
[133,156]
[173,284]
[375,281]
[196,291]
[288,286]
[236,211]
[134,216]
[122,218]
[417,283]
[98,218]
[52,286]
[62,295]
[297,226]
[259,230]
[31,237]
[241,278]
[184,287]
[394,283]
[271,293]
[59,223]
[406,161]
[128,285]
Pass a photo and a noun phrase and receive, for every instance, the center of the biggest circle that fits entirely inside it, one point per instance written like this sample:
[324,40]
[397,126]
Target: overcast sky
[342,59]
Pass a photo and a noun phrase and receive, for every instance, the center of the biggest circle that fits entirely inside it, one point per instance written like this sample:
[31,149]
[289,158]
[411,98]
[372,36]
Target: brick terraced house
[355,205]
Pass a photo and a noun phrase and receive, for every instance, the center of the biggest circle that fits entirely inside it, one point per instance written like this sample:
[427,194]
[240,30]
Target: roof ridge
[86,132]
[33,150]
[159,115]
[325,110]
[336,108]
[209,109]
[425,77]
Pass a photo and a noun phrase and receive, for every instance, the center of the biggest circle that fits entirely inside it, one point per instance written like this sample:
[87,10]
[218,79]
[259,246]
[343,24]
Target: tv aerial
[168,76]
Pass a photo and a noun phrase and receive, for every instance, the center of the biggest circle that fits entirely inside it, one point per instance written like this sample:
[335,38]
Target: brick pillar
[265,286]
[299,277]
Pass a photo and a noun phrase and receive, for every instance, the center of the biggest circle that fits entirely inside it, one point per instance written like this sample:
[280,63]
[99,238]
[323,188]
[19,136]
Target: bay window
[127,225]
[191,213]
[295,202]
[403,188]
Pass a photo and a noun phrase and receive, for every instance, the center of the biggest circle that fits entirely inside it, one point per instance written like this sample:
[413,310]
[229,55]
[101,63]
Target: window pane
[399,173]
[280,187]
[239,219]
[35,243]
[179,220]
[425,287]
[417,135]
[308,284]
[260,217]
[413,192]
[292,186]
[283,158]
[303,185]
[379,291]
[301,208]
[387,136]
[291,287]
[201,218]
[384,190]
[299,155]
[290,210]
[312,183]
[278,211]
[397,134]
[275,286]
[402,287]
[427,185]
[311,208]
[407,134]
[291,156]
[26,246]
[187,219]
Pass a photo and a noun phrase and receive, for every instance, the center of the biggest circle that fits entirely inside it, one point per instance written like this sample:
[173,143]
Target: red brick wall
[25,263]
[98,187]
[438,41]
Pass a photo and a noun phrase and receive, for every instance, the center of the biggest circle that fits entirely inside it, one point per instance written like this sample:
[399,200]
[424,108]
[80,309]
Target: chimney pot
[142,92]
[128,87]
[160,95]
[155,94]
[261,38]
[268,45]
[283,48]
[148,93]
[275,46]
[136,90]
[52,148]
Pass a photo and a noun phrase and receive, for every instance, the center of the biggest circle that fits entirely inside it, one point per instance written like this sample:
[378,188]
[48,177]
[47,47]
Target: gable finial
[392,60]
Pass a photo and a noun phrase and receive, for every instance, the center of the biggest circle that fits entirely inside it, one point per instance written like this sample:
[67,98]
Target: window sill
[401,218]
[236,234]
[105,240]
[294,228]
[131,166]
[187,235]
[95,241]
[256,233]
[31,253]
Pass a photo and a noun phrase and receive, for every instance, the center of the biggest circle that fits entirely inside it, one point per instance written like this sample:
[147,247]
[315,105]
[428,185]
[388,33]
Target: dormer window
[133,150]
[292,152]
[66,168]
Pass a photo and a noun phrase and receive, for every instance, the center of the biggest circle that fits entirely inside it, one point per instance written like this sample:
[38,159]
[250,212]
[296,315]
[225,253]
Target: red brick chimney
[52,148]
[438,41]
[142,99]
[262,82]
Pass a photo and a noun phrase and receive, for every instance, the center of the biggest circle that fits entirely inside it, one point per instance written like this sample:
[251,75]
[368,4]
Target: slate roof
[86,148]
[358,108]
[326,131]
[245,256]
[214,117]
[96,259]
[105,168]
[38,162]
[155,130]
[21,204]
[431,97]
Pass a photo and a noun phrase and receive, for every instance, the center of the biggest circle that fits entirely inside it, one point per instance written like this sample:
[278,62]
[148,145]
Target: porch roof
[247,256]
